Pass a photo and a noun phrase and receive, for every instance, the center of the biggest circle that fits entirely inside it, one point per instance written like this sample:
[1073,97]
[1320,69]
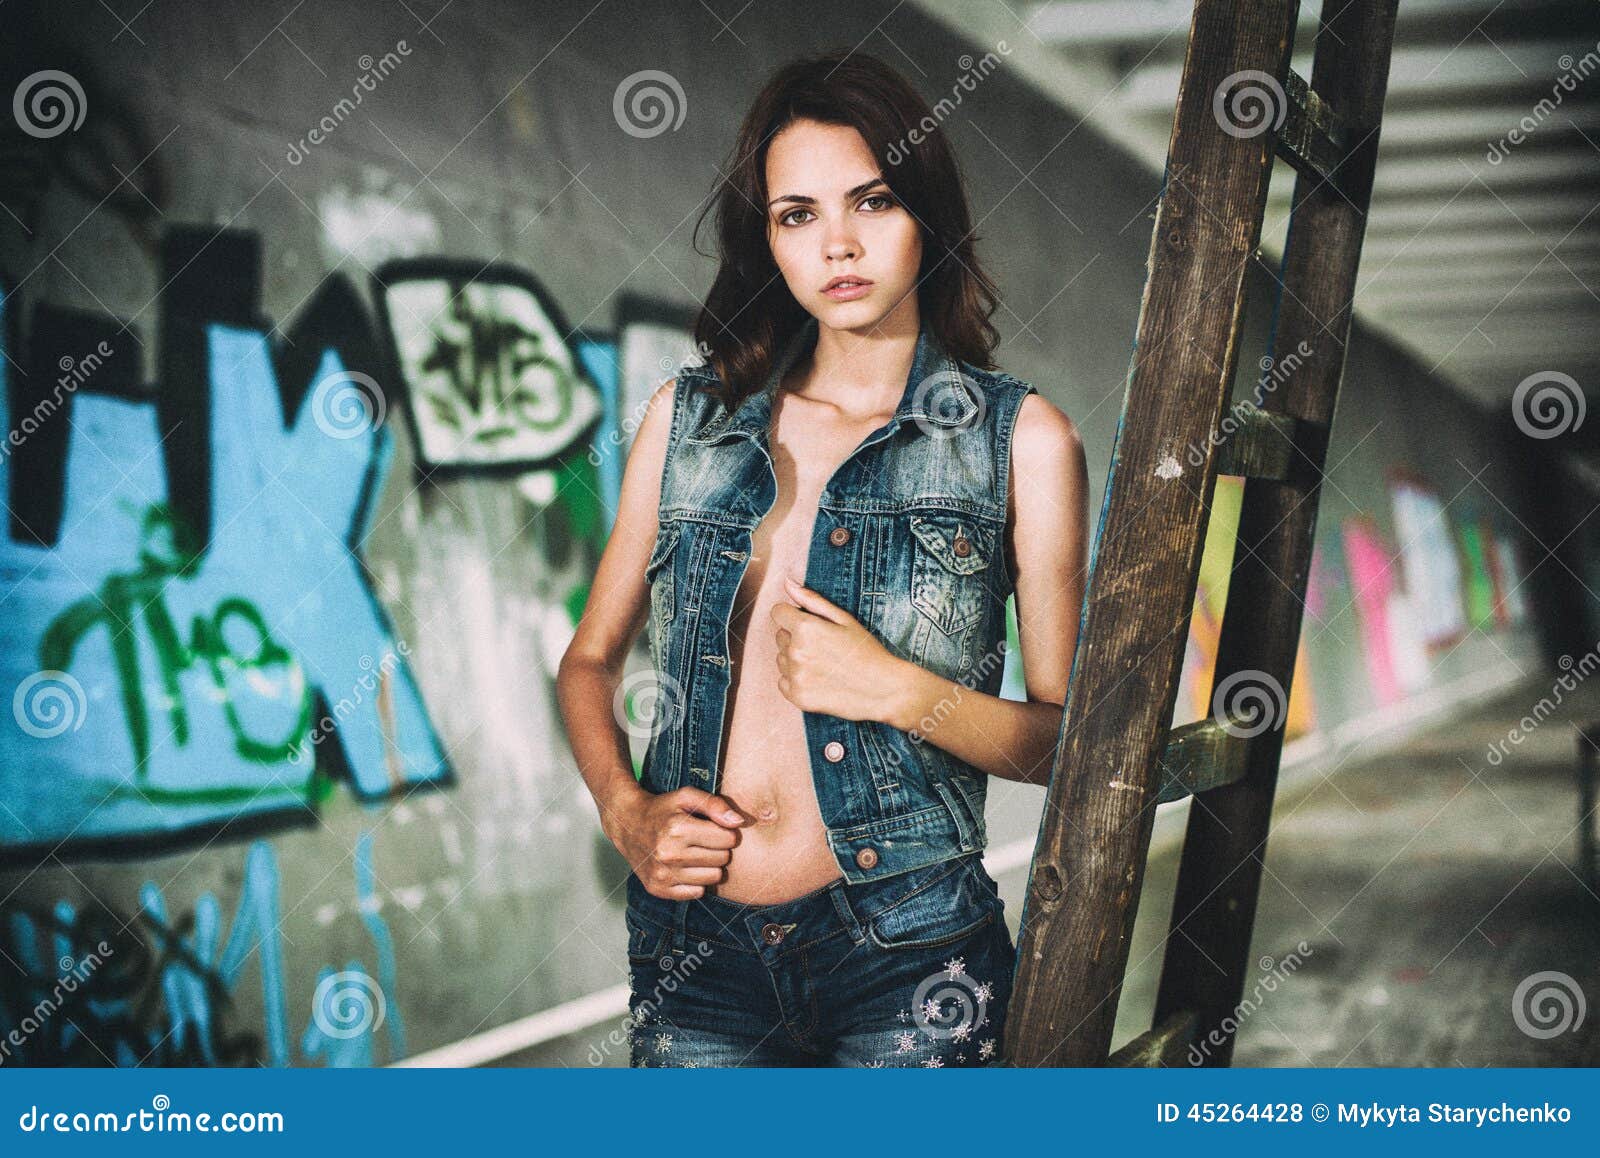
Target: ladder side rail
[1095,832]
[1214,906]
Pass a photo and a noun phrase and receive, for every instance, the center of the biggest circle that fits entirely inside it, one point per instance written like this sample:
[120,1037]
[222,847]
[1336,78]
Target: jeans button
[772,933]
[833,750]
[839,536]
[867,858]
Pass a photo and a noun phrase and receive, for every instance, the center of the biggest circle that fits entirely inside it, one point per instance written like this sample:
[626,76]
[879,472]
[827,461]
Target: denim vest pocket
[949,569]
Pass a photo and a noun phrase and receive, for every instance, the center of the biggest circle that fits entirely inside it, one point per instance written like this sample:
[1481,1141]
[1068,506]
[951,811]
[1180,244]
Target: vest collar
[936,392]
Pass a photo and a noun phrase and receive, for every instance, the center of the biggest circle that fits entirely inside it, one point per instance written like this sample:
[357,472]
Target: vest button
[833,750]
[867,858]
[839,536]
[771,933]
[961,546]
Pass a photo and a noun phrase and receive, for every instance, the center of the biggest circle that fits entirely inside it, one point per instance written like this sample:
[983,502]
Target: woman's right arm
[674,851]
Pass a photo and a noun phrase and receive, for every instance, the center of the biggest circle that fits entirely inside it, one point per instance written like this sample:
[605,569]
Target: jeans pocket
[951,909]
[647,942]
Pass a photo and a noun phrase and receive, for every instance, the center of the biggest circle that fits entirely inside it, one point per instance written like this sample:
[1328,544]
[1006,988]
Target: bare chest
[805,454]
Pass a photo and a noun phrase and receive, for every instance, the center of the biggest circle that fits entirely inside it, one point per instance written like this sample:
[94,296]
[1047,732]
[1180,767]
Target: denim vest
[907,538]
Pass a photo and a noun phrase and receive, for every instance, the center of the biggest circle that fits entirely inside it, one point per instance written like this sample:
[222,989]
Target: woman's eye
[784,220]
[888,201]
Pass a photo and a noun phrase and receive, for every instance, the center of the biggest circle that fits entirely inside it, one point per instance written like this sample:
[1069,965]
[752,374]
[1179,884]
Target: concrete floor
[1427,884]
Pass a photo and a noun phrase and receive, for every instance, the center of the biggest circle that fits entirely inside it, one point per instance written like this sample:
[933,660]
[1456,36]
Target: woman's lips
[849,291]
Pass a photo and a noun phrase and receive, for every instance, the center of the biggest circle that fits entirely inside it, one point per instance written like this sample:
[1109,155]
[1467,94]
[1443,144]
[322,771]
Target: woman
[823,522]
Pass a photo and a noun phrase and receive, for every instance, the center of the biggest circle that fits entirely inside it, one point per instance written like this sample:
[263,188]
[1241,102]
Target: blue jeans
[913,969]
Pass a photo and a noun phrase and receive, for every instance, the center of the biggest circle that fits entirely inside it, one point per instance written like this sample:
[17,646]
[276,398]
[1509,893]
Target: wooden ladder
[1239,104]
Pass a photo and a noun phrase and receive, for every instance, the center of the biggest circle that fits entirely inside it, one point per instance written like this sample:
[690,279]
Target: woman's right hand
[668,841]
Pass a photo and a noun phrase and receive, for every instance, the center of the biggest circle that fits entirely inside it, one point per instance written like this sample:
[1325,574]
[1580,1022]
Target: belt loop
[680,923]
[847,915]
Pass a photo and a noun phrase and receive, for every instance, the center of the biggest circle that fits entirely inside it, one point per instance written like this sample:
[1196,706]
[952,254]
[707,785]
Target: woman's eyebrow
[849,194]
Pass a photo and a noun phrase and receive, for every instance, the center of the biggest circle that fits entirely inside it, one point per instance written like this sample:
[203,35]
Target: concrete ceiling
[1482,251]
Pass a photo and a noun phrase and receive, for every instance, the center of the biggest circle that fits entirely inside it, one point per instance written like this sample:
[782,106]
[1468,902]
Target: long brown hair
[750,312]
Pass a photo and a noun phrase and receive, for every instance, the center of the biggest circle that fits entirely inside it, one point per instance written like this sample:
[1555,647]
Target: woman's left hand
[829,662]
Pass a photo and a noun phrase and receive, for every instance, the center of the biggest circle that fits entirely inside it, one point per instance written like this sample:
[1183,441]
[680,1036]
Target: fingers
[693,856]
[718,808]
[662,875]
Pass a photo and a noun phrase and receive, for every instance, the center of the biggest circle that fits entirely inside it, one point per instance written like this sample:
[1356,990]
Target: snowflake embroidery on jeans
[931,1010]
[904,1015]
[961,1057]
[690,1063]
[985,992]
[956,967]
[934,1062]
[961,1032]
[663,1042]
[905,1041]
[986,1048]
[875,1064]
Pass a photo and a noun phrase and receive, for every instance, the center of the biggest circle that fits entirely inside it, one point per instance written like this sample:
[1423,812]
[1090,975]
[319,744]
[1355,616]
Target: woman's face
[831,215]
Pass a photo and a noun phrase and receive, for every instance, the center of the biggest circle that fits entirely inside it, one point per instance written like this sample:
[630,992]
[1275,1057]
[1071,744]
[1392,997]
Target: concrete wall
[466,885]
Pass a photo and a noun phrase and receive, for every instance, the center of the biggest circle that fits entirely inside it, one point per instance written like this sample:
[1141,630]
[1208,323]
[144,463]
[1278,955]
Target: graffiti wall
[316,412]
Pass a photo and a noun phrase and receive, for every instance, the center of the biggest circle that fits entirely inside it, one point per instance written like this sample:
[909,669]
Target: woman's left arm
[828,662]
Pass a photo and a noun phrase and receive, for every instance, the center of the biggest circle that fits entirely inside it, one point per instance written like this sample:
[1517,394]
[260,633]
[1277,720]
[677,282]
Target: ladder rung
[1263,444]
[1165,1045]
[1312,138]
[1204,755]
